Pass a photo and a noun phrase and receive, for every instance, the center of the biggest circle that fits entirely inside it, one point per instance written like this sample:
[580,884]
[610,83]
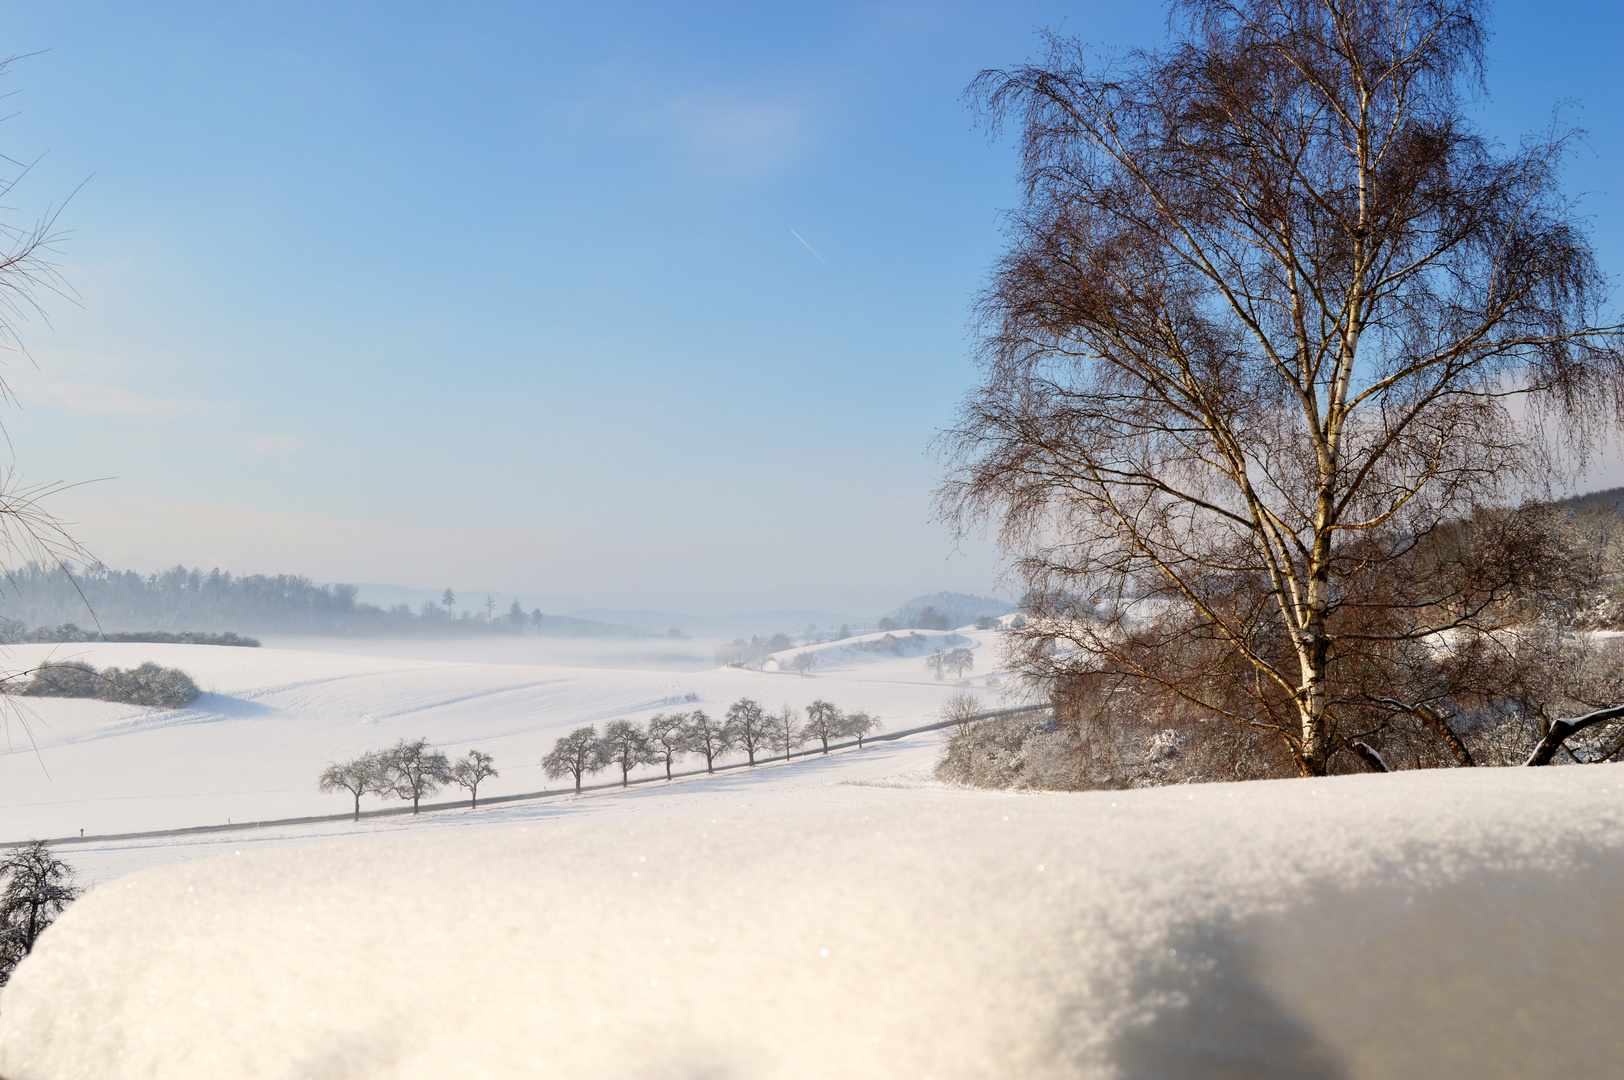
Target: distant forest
[194,600]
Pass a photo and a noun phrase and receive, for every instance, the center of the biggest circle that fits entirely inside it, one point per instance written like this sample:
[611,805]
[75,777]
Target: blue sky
[511,296]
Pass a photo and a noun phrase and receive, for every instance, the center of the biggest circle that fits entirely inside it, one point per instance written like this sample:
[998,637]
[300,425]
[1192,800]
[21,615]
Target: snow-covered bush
[1116,744]
[1012,752]
[149,684]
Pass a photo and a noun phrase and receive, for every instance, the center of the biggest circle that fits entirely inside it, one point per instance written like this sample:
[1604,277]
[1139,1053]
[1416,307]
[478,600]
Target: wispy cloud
[810,248]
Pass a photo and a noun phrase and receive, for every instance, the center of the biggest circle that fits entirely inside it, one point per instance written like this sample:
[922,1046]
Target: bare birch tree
[1273,313]
[29,533]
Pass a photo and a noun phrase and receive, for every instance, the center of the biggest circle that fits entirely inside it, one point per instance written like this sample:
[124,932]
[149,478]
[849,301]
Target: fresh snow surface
[838,916]
[1448,924]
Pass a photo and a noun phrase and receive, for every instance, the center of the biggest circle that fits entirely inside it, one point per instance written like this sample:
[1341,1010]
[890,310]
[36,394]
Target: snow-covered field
[834,917]
[251,748]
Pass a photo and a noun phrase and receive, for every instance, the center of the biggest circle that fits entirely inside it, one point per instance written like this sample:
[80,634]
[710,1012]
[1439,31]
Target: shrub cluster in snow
[149,684]
[1027,752]
[17,634]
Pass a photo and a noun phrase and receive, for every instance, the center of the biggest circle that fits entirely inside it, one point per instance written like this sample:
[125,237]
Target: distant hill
[182,601]
[719,626]
[1607,499]
[953,609]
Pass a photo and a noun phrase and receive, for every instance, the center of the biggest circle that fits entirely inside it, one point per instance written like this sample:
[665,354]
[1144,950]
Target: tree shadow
[1204,1012]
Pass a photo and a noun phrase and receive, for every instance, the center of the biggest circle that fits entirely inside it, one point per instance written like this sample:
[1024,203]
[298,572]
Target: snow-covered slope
[894,655]
[1452,924]
[251,748]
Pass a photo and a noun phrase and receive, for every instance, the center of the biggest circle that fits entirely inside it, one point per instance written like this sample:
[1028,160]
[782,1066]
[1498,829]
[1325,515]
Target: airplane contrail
[810,248]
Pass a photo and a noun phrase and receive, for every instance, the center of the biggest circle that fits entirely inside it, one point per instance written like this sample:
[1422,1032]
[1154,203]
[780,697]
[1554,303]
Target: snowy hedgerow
[149,684]
[1010,752]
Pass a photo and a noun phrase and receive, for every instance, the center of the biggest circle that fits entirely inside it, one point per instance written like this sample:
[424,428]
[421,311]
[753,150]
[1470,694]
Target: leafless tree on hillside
[784,730]
[824,722]
[1273,314]
[628,747]
[359,776]
[962,709]
[859,725]
[667,736]
[747,721]
[470,770]
[412,770]
[580,752]
[708,738]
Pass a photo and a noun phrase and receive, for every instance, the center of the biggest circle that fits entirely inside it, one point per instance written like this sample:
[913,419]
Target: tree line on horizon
[191,600]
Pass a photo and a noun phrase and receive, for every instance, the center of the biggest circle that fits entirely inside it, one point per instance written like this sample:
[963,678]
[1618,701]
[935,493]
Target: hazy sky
[655,305]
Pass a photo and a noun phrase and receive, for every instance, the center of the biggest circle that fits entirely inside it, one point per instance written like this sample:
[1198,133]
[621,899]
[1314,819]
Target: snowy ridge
[874,648]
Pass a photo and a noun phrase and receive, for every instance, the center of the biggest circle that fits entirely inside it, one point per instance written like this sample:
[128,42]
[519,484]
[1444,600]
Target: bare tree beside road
[580,752]
[704,736]
[412,770]
[747,721]
[667,738]
[470,770]
[358,776]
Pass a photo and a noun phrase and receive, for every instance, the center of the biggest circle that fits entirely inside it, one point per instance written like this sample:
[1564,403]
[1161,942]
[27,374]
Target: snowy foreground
[843,917]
